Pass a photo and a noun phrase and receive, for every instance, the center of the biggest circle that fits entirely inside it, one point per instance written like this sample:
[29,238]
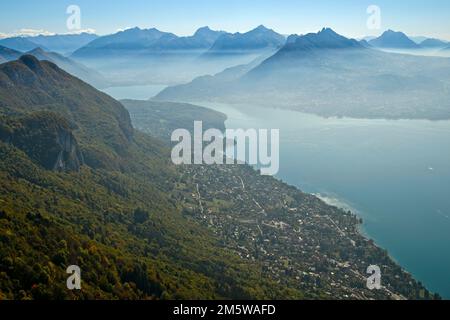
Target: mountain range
[149,56]
[328,74]
[149,41]
[136,40]
[203,39]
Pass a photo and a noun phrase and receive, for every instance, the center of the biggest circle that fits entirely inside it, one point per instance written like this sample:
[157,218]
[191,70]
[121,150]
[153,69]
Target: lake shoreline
[365,228]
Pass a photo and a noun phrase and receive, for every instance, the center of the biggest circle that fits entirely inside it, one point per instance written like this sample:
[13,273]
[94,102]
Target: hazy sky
[348,17]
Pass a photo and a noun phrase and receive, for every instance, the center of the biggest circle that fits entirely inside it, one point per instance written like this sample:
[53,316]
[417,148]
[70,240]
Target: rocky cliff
[46,138]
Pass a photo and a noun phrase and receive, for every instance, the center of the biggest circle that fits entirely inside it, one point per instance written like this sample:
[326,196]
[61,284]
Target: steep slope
[325,39]
[330,75]
[136,230]
[394,40]
[297,238]
[46,138]
[105,206]
[130,221]
[32,85]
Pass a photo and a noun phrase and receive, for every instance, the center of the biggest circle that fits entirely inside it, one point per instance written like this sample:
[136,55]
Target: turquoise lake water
[394,173]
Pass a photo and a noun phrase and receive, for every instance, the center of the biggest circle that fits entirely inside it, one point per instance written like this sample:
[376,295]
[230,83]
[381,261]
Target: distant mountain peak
[327,30]
[390,31]
[262,27]
[394,39]
[204,37]
[260,38]
[324,39]
[137,30]
[132,30]
[204,29]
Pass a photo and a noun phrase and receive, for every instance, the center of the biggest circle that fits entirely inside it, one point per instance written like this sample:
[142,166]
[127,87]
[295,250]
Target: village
[294,237]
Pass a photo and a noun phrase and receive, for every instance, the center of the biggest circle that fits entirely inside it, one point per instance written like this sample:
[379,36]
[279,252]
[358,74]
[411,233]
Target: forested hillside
[112,213]
[81,187]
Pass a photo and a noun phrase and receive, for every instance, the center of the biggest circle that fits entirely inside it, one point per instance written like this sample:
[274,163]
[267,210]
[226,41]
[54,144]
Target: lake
[394,173]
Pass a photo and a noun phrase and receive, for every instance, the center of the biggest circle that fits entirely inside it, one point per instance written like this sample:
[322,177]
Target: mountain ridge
[42,80]
[433,43]
[114,221]
[331,75]
[9,54]
[73,67]
[260,38]
[392,40]
[63,43]
[147,40]
[19,44]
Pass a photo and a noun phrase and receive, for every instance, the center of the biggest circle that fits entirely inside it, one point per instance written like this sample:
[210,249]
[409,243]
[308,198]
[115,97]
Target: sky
[183,17]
